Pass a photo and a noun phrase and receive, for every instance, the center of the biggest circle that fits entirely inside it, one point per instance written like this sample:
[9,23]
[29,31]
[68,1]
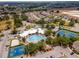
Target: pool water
[16,51]
[35,38]
[66,33]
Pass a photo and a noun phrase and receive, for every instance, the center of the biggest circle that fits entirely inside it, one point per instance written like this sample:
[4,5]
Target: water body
[66,33]
[35,38]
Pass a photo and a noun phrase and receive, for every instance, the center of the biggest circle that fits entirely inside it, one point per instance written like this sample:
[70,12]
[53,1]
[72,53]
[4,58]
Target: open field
[72,13]
[3,25]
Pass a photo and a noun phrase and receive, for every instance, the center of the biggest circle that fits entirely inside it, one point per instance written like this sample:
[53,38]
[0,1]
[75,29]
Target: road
[4,42]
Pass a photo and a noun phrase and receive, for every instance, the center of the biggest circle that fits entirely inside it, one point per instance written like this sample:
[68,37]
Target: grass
[56,24]
[50,16]
[4,24]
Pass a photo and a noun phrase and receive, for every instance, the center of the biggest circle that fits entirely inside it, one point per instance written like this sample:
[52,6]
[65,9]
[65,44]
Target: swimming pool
[35,38]
[66,33]
[16,51]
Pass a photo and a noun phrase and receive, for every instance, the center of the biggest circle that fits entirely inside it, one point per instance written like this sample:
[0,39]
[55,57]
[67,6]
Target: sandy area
[75,28]
[72,13]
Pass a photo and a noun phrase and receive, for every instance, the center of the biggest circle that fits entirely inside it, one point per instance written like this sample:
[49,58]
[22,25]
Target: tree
[76,21]
[56,20]
[48,32]
[63,40]
[49,40]
[6,17]
[1,35]
[24,39]
[74,39]
[24,17]
[17,20]
[14,31]
[62,22]
[57,11]
[11,8]
[72,22]
[52,10]
[31,48]
[50,26]
[41,22]
[40,45]
[29,26]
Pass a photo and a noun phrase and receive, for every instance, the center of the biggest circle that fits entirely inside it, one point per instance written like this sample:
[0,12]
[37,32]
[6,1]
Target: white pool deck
[32,31]
[15,42]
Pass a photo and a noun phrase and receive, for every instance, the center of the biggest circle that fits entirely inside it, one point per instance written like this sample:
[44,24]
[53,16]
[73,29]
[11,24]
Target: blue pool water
[66,33]
[16,51]
[35,38]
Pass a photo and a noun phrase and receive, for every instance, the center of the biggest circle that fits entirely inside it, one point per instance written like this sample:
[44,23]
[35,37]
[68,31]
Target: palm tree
[41,44]
[49,41]
[31,48]
[48,32]
[63,41]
